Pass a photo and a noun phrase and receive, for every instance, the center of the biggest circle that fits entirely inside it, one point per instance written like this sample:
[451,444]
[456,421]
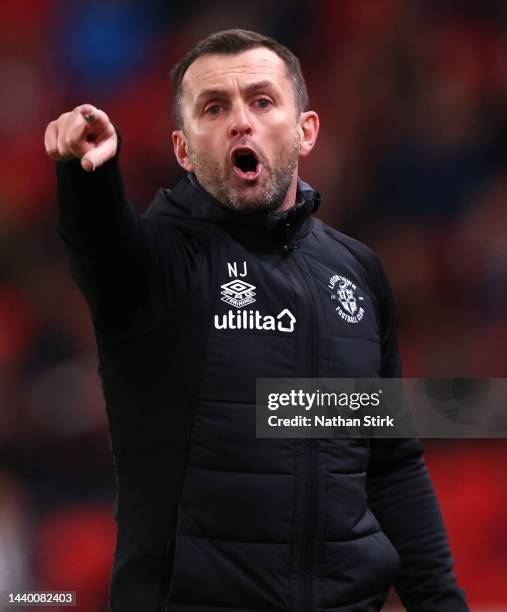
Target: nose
[240,122]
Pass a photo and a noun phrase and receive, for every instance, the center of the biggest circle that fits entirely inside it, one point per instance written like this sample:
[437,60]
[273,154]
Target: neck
[290,197]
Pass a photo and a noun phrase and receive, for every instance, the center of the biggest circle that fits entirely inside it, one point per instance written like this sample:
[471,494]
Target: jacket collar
[275,231]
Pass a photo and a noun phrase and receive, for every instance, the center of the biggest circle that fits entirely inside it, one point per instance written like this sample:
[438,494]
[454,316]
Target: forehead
[220,70]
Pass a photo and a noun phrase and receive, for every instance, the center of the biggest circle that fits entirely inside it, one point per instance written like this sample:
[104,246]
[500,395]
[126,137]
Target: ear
[181,150]
[308,128]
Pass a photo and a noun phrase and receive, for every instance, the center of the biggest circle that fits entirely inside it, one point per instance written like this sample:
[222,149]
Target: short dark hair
[232,42]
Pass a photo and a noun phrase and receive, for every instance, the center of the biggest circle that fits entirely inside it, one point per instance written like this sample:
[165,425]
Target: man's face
[241,132]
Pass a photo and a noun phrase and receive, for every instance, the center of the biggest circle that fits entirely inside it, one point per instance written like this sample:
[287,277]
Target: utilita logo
[252,319]
[239,293]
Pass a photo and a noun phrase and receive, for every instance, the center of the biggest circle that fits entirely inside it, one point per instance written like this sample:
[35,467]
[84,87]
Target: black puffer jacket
[210,517]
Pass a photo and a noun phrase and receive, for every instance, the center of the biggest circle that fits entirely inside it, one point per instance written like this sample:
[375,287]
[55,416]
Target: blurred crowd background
[411,159]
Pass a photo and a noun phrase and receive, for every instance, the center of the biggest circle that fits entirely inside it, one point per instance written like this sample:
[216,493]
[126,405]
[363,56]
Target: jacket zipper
[310,453]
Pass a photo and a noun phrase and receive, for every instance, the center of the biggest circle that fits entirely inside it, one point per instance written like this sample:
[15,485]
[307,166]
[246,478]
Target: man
[210,517]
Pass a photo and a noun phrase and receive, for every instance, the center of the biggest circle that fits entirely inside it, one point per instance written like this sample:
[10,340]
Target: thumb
[100,154]
[87,164]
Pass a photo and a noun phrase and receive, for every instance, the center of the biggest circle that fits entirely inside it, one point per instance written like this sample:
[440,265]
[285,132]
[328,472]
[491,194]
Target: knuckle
[62,120]
[73,148]
[59,145]
[71,139]
[67,143]
[63,149]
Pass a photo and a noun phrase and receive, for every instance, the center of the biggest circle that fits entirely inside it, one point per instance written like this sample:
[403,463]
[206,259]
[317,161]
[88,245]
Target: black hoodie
[191,302]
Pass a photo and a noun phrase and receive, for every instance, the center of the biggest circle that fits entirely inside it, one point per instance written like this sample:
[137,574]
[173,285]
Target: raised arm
[110,246]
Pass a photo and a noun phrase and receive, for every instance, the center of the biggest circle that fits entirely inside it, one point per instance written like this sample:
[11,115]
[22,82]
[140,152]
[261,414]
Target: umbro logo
[238,293]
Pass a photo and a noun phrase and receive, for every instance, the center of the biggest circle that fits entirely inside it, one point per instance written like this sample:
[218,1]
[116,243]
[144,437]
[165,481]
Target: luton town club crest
[344,292]
[238,293]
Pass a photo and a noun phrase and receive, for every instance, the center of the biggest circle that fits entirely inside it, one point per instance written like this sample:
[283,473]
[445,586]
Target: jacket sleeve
[401,496]
[117,257]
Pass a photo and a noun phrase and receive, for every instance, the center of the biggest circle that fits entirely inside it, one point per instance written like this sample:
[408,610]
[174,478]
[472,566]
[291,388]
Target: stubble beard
[265,194]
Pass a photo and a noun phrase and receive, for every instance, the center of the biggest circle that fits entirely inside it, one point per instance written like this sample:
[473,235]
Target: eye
[263,103]
[213,109]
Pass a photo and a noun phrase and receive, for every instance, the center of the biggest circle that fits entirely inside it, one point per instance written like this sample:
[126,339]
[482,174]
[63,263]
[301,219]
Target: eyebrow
[224,93]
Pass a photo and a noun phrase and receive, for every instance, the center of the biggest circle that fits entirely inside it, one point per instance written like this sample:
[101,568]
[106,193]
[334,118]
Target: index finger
[91,114]
[88,117]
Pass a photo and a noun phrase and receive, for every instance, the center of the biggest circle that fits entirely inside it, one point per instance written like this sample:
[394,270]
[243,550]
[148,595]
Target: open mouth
[245,163]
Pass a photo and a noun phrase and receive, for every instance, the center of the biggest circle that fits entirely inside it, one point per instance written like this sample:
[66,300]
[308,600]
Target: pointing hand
[86,133]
